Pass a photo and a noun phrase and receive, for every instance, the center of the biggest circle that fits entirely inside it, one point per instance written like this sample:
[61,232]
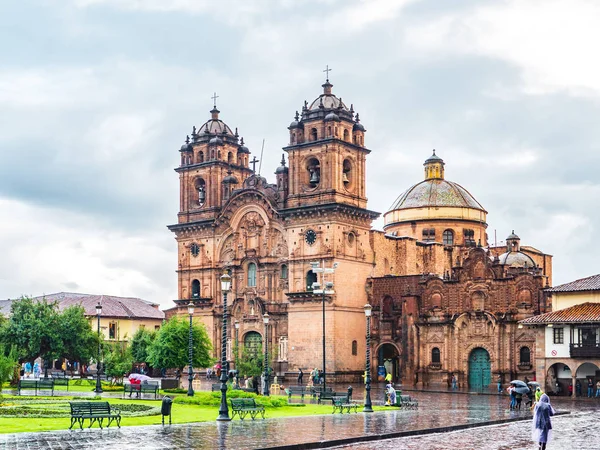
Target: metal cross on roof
[327,70]
[253,162]
[215,97]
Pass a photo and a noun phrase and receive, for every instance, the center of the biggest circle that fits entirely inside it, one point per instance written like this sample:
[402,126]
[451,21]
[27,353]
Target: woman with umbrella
[542,425]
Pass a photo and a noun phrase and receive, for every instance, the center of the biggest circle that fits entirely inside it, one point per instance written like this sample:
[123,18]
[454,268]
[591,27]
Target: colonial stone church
[444,301]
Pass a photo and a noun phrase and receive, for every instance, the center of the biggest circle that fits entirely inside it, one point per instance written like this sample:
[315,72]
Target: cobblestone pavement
[436,410]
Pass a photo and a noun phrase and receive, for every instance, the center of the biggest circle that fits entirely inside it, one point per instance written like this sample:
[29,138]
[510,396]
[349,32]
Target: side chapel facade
[444,301]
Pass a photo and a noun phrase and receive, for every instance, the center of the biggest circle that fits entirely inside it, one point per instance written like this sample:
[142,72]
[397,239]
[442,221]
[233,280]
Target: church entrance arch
[480,373]
[252,343]
[558,379]
[388,359]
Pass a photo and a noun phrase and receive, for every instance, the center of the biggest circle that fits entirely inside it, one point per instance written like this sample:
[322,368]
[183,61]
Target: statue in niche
[251,307]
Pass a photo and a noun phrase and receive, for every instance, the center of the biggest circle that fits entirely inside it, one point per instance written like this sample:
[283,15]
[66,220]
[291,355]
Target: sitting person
[391,395]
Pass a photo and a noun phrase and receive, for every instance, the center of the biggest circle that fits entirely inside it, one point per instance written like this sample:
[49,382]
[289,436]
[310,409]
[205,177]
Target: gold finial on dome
[434,167]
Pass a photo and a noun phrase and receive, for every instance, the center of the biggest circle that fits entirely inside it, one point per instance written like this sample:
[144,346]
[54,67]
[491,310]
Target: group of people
[315,377]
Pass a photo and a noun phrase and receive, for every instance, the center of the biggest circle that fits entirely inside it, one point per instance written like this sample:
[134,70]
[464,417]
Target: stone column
[573,383]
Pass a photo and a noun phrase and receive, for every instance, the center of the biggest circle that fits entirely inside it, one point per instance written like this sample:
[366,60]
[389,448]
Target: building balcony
[524,366]
[435,366]
[584,351]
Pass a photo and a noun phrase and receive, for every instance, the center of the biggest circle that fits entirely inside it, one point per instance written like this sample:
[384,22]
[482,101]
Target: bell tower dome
[327,155]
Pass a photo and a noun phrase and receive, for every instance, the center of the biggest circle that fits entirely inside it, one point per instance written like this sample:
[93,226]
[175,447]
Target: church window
[525,355]
[313,168]
[195,289]
[252,275]
[228,351]
[311,278]
[354,348]
[212,154]
[293,138]
[347,173]
[429,234]
[230,158]
[112,330]
[201,190]
[200,157]
[328,131]
[284,272]
[435,356]
[346,134]
[559,335]
[219,154]
[336,132]
[469,237]
[387,305]
[448,237]
[313,134]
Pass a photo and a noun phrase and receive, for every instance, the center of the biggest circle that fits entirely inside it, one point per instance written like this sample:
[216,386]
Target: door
[480,374]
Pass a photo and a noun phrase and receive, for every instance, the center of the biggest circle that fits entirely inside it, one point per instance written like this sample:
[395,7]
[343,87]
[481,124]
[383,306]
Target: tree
[140,344]
[80,342]
[170,348]
[117,360]
[8,364]
[252,362]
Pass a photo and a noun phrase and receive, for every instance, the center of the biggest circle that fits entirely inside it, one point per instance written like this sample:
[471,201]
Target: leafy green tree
[170,348]
[80,342]
[251,361]
[117,360]
[8,364]
[140,344]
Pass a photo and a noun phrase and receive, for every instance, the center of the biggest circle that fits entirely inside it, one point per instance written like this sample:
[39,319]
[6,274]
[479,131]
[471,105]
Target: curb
[398,434]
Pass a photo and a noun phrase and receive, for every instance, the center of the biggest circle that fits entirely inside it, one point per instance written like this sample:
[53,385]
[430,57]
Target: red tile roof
[583,313]
[585,284]
[112,306]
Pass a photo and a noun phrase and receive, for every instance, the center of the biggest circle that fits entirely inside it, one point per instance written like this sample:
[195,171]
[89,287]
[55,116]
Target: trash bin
[165,409]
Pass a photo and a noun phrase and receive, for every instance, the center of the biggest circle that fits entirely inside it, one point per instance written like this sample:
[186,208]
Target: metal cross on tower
[253,162]
[215,97]
[327,70]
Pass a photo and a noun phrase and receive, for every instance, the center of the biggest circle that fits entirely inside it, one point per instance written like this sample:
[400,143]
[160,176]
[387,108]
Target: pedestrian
[454,385]
[36,370]
[598,389]
[570,389]
[542,425]
[499,384]
[519,397]
[27,369]
[391,395]
[388,378]
[512,392]
[300,375]
[538,394]
[590,388]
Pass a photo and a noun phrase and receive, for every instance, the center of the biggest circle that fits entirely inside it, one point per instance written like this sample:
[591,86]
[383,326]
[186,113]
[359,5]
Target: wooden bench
[328,395]
[244,406]
[405,401]
[60,379]
[341,403]
[37,385]
[296,390]
[141,389]
[318,390]
[95,412]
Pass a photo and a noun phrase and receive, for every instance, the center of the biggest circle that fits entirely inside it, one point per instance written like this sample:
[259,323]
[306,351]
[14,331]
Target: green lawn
[182,413]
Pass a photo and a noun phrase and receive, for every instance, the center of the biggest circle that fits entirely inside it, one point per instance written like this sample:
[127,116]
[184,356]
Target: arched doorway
[252,343]
[558,379]
[480,373]
[388,358]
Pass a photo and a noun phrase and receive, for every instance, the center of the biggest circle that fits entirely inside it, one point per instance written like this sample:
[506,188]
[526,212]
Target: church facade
[439,292]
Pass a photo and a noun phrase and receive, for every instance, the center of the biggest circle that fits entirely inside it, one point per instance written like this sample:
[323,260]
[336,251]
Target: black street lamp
[327,289]
[190,392]
[368,407]
[223,410]
[98,383]
[266,372]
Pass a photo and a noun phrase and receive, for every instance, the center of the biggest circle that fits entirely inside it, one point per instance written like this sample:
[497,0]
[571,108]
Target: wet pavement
[437,410]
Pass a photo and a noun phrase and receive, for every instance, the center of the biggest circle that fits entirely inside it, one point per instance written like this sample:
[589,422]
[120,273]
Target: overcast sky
[96,97]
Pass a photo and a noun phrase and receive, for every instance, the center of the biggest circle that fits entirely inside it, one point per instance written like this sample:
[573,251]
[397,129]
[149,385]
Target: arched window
[328,131]
[448,237]
[435,355]
[293,138]
[313,134]
[284,272]
[195,289]
[201,190]
[252,275]
[525,355]
[230,158]
[346,134]
[200,157]
[354,348]
[311,278]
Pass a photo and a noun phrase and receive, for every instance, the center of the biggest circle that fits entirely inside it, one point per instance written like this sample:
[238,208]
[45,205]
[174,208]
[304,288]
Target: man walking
[590,388]
[499,384]
[300,375]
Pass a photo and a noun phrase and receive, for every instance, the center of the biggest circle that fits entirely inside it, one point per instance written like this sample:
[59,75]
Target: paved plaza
[436,411]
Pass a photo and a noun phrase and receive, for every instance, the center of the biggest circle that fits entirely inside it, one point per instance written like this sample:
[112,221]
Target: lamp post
[98,383]
[368,407]
[223,410]
[190,392]
[327,289]
[266,373]
[237,329]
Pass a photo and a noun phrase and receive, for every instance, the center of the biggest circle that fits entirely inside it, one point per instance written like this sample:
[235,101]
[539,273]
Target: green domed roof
[436,193]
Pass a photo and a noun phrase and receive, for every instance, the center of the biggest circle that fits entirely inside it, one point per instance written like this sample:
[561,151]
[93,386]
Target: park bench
[405,401]
[37,385]
[60,379]
[328,395]
[296,390]
[315,391]
[140,389]
[215,387]
[244,406]
[95,412]
[342,402]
